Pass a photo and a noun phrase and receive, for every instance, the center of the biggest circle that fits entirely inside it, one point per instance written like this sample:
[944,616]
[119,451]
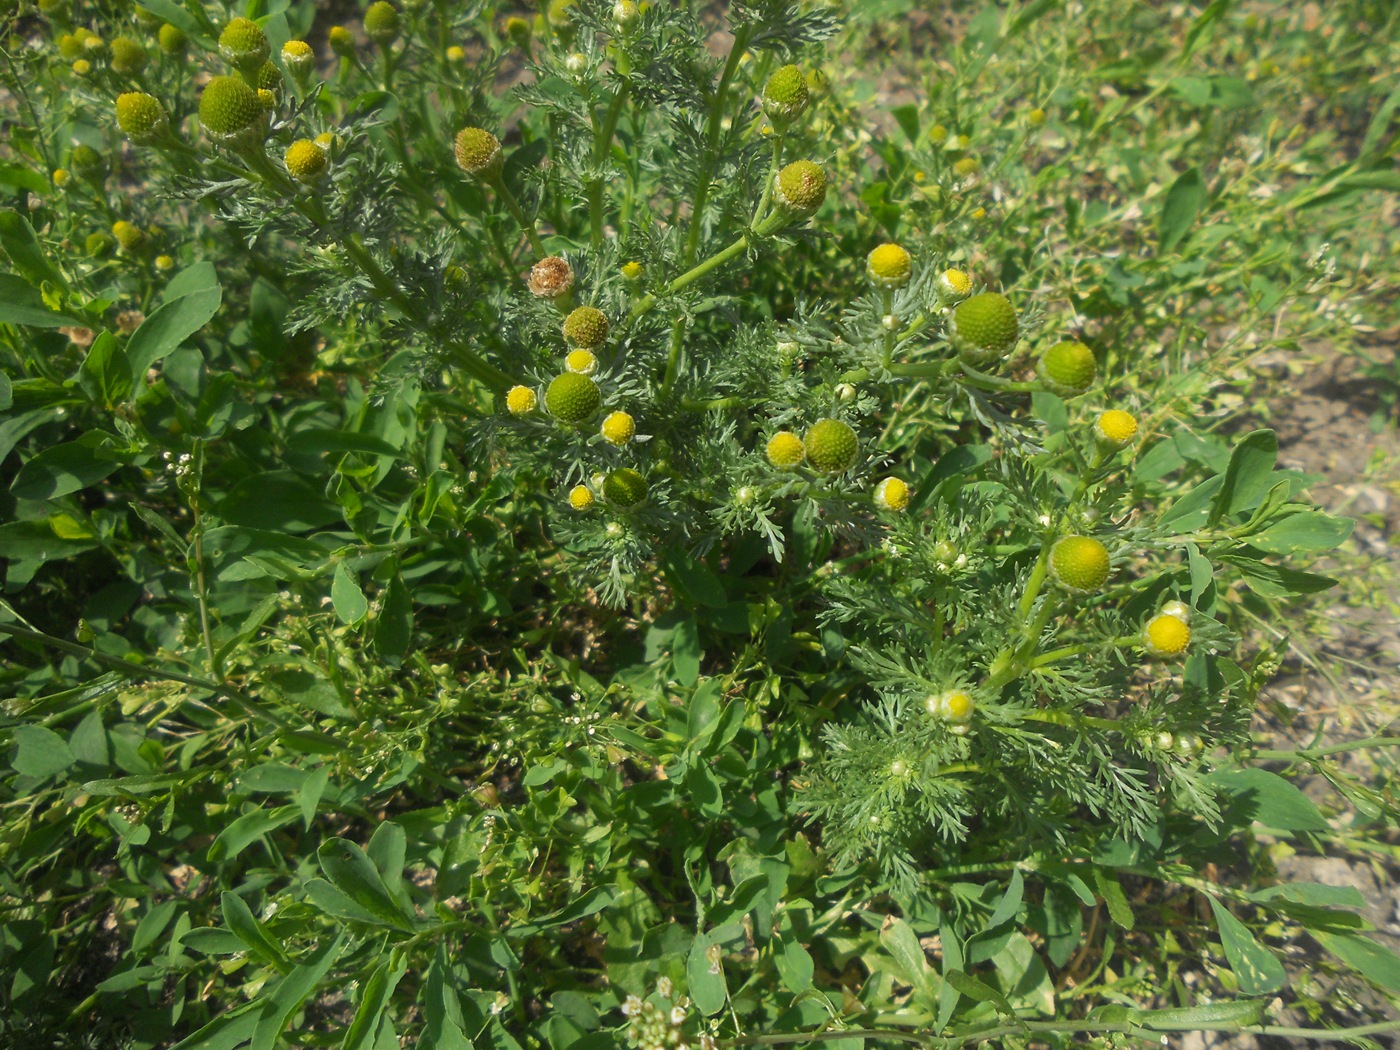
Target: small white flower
[664,987]
[678,1015]
[631,1005]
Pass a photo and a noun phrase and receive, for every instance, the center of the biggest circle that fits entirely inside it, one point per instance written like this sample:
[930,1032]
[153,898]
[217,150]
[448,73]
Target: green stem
[1310,754]
[702,187]
[602,144]
[498,184]
[137,671]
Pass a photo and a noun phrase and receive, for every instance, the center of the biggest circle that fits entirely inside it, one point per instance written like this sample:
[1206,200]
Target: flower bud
[455,54]
[1036,117]
[244,45]
[306,161]
[625,15]
[86,159]
[618,428]
[1067,368]
[518,29]
[232,114]
[172,40]
[382,24]
[889,266]
[1115,428]
[586,327]
[61,177]
[268,78]
[785,450]
[954,706]
[625,487]
[82,67]
[1180,610]
[965,166]
[478,152]
[298,59]
[521,400]
[831,446]
[785,95]
[129,236]
[141,117]
[342,41]
[801,187]
[892,494]
[1079,564]
[984,328]
[128,56]
[581,498]
[99,245]
[165,263]
[572,398]
[551,278]
[632,270]
[70,46]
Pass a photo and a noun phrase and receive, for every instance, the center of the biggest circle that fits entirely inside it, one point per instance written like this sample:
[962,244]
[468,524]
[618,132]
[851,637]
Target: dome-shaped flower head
[586,327]
[625,487]
[172,40]
[128,56]
[382,24]
[342,41]
[618,428]
[572,398]
[889,266]
[298,59]
[831,446]
[244,45]
[1067,368]
[130,236]
[1115,428]
[984,328]
[478,152]
[521,400]
[1166,636]
[785,95]
[581,498]
[1079,564]
[892,494]
[785,450]
[141,117]
[306,161]
[551,278]
[232,114]
[801,187]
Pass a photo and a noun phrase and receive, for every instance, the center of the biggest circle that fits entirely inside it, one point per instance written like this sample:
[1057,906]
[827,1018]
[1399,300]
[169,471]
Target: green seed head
[586,327]
[785,95]
[306,161]
[232,114]
[244,45]
[128,56]
[382,23]
[172,40]
[268,78]
[801,187]
[984,328]
[572,398]
[1067,368]
[625,487]
[141,117]
[478,152]
[1079,564]
[831,446]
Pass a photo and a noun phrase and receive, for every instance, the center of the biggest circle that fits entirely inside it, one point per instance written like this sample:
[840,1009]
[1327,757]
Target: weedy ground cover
[673,525]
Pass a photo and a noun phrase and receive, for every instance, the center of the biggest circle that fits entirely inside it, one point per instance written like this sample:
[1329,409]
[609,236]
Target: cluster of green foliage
[571,530]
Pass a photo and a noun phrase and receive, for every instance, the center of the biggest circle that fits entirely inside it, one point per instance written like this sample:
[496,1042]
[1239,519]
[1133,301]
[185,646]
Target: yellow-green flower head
[624,487]
[306,161]
[232,114]
[62,177]
[478,152]
[128,56]
[632,270]
[99,244]
[328,141]
[984,328]
[938,134]
[93,45]
[519,32]
[1166,636]
[1079,564]
[892,494]
[298,58]
[785,95]
[268,78]
[559,14]
[801,187]
[953,285]
[521,400]
[1067,368]
[342,41]
[831,446]
[581,498]
[551,278]
[625,14]
[130,236]
[786,451]
[1036,117]
[141,117]
[86,159]
[618,428]
[244,45]
[267,99]
[965,166]
[172,40]
[953,706]
[889,266]
[165,263]
[572,398]
[1115,428]
[70,46]
[818,84]
[82,67]
[581,362]
[382,24]
[455,54]
[586,327]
